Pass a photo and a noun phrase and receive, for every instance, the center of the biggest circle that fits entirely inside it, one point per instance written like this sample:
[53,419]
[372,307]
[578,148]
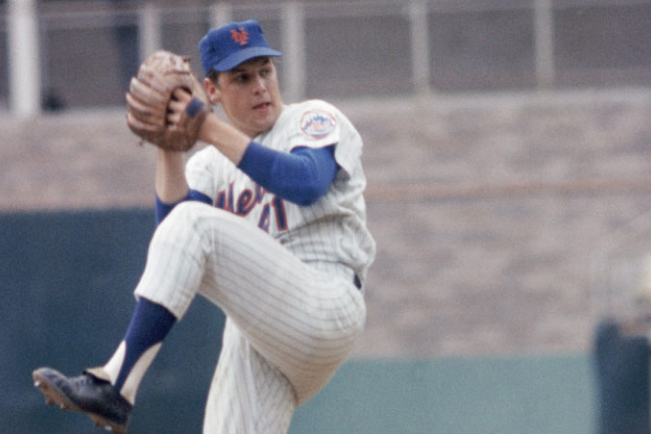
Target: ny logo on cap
[241,37]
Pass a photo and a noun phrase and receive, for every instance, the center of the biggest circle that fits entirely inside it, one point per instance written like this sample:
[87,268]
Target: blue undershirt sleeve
[301,176]
[162,209]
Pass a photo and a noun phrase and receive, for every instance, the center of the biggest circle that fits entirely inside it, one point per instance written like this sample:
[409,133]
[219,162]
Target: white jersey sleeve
[318,124]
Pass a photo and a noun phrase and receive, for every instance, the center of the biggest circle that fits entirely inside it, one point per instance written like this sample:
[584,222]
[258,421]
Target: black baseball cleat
[86,394]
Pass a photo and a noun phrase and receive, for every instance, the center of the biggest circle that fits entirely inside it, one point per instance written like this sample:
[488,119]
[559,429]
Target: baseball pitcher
[268,222]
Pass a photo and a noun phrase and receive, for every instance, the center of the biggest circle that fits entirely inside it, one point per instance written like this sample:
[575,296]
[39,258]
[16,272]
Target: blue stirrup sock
[149,326]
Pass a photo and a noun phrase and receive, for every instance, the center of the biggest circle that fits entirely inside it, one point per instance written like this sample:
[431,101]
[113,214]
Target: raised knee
[185,211]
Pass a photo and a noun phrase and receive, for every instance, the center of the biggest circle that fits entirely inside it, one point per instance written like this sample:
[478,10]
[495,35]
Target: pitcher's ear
[212,90]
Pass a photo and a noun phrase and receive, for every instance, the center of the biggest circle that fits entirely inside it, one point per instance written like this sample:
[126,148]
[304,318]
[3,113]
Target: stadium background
[511,210]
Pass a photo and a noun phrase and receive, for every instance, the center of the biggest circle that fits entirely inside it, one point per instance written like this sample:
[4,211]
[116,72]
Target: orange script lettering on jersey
[247,200]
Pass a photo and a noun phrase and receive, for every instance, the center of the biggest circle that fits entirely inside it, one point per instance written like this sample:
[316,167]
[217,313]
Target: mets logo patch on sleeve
[318,123]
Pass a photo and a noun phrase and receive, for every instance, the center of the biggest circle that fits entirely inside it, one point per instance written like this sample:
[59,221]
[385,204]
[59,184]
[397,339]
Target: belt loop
[357,282]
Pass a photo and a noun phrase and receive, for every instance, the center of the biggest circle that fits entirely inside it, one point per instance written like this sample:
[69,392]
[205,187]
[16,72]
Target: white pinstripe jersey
[333,230]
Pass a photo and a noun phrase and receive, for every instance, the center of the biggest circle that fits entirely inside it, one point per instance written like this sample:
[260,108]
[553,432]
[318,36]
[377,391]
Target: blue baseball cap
[223,48]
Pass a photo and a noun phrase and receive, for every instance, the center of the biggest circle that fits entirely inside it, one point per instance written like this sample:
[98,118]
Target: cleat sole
[100,422]
[53,396]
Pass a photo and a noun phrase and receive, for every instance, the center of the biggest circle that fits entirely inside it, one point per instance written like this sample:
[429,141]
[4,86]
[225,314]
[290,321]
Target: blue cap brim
[242,56]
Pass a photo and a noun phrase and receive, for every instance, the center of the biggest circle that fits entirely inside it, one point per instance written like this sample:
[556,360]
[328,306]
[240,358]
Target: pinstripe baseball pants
[289,325]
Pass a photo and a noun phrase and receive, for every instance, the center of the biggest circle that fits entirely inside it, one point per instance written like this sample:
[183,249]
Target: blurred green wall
[510,395]
[66,280]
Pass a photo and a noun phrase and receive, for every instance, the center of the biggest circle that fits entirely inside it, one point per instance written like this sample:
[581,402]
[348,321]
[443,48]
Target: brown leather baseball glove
[148,102]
